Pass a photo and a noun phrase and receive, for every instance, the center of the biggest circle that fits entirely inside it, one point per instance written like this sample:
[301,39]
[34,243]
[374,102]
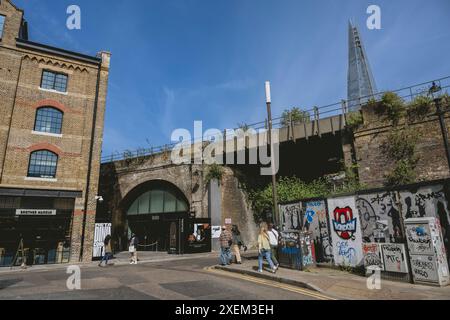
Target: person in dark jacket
[107,249]
[237,243]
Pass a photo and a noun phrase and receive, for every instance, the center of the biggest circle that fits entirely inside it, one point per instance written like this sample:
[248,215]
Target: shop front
[35,230]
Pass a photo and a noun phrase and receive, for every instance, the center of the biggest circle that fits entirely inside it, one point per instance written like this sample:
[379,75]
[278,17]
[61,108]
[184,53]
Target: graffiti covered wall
[316,222]
[380,218]
[291,215]
[346,231]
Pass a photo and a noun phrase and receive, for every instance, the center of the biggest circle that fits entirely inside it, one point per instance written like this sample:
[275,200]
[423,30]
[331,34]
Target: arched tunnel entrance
[158,213]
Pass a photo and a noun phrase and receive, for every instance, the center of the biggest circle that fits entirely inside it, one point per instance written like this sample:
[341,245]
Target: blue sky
[176,61]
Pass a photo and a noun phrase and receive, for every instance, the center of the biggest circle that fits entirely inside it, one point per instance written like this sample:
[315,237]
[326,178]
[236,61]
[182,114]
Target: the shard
[361,84]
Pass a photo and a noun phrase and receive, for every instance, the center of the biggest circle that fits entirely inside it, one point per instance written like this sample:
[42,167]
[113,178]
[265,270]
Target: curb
[296,283]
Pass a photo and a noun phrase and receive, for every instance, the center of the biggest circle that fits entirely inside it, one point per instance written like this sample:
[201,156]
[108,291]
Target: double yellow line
[270,283]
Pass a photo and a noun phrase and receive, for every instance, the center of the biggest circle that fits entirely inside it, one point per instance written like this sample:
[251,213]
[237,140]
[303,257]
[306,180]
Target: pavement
[170,278]
[340,284]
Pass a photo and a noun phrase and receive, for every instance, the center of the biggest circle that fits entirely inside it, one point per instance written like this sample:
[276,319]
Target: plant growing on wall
[354,120]
[296,115]
[215,172]
[400,146]
[419,108]
[392,106]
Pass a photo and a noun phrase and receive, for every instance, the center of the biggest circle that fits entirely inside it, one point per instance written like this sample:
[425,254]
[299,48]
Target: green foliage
[297,116]
[400,146]
[215,171]
[419,108]
[392,106]
[243,126]
[354,120]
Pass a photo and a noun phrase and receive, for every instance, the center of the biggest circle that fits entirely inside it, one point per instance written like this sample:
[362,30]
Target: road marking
[270,283]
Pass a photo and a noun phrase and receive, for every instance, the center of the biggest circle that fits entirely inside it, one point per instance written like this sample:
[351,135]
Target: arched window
[158,200]
[43,164]
[48,120]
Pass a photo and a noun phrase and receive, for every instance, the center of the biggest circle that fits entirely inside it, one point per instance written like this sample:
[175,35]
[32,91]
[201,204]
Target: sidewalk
[120,258]
[343,285]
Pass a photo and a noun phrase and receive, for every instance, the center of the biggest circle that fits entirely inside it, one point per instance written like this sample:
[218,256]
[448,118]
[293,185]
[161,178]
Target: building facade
[52,104]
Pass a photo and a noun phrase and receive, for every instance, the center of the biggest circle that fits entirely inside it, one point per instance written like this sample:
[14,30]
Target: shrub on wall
[215,172]
[354,120]
[392,106]
[296,115]
[419,108]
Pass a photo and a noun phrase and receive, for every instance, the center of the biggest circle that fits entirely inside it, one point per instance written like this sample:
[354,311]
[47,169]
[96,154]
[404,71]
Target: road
[169,280]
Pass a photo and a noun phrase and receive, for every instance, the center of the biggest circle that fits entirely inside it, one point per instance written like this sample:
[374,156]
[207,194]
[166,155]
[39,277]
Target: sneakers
[260,271]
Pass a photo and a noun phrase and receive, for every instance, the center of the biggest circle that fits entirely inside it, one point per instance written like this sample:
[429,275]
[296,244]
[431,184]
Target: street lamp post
[269,138]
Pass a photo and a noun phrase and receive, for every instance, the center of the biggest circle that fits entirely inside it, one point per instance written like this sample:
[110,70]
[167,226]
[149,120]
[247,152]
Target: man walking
[226,240]
[273,239]
[108,250]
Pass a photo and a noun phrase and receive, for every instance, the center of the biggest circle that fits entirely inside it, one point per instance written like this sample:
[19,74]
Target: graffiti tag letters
[344,224]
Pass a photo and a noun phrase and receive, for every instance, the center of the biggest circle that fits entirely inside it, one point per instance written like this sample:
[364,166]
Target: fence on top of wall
[368,228]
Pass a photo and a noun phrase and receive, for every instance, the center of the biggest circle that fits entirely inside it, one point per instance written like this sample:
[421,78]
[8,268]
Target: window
[54,81]
[42,164]
[156,201]
[48,120]
[2,24]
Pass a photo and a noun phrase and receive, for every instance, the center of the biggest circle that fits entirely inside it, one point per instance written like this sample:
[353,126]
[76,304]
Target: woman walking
[108,250]
[264,249]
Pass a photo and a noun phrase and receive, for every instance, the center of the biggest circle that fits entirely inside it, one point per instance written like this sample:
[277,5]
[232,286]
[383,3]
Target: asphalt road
[174,280]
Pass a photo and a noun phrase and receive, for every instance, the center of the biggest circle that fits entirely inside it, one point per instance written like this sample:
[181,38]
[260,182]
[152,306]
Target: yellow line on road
[270,283]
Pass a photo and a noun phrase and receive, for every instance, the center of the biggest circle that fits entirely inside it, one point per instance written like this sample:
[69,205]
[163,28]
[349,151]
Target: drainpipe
[91,151]
[11,118]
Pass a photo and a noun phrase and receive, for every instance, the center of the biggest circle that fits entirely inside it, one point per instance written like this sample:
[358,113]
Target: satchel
[132,249]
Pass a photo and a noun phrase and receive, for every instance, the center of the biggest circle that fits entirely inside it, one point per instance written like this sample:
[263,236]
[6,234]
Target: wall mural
[372,255]
[380,218]
[346,231]
[291,215]
[316,222]
[428,201]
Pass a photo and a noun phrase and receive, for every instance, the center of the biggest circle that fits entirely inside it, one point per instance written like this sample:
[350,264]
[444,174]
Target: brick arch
[51,103]
[45,146]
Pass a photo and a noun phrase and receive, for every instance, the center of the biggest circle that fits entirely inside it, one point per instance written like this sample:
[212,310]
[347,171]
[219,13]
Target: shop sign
[35,212]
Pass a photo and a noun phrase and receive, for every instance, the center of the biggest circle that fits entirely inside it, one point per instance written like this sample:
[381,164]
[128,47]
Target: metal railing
[314,114]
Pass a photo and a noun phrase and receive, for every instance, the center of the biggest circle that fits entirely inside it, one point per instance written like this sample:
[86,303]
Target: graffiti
[377,209]
[291,256]
[372,257]
[394,257]
[344,224]
[346,252]
[424,202]
[419,239]
[316,222]
[291,215]
[424,268]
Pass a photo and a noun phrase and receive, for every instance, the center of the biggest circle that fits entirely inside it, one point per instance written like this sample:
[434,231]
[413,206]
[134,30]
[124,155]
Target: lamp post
[272,158]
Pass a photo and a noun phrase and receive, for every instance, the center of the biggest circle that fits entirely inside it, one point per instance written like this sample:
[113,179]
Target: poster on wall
[215,232]
[316,222]
[345,231]
[100,233]
[372,255]
[394,257]
[291,216]
[199,236]
[290,255]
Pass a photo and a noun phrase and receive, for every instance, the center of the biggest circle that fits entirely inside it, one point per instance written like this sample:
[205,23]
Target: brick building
[52,104]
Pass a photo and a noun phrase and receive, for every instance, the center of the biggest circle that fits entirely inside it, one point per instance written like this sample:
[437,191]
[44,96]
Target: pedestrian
[264,249]
[133,246]
[237,243]
[226,240]
[108,250]
[274,238]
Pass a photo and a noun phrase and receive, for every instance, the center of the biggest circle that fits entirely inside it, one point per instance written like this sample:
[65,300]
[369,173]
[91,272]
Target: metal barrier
[314,114]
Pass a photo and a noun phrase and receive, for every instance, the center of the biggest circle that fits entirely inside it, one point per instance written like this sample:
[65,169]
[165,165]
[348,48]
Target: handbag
[132,249]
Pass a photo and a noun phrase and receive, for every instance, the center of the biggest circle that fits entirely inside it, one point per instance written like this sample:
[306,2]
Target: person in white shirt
[273,239]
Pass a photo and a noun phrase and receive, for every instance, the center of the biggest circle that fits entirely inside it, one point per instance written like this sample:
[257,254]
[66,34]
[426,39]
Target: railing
[315,113]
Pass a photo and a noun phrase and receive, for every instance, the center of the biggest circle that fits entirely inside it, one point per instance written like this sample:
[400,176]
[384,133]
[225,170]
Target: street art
[419,239]
[346,231]
[424,268]
[316,221]
[307,248]
[380,218]
[372,255]
[429,201]
[344,224]
[394,257]
[290,253]
[292,216]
